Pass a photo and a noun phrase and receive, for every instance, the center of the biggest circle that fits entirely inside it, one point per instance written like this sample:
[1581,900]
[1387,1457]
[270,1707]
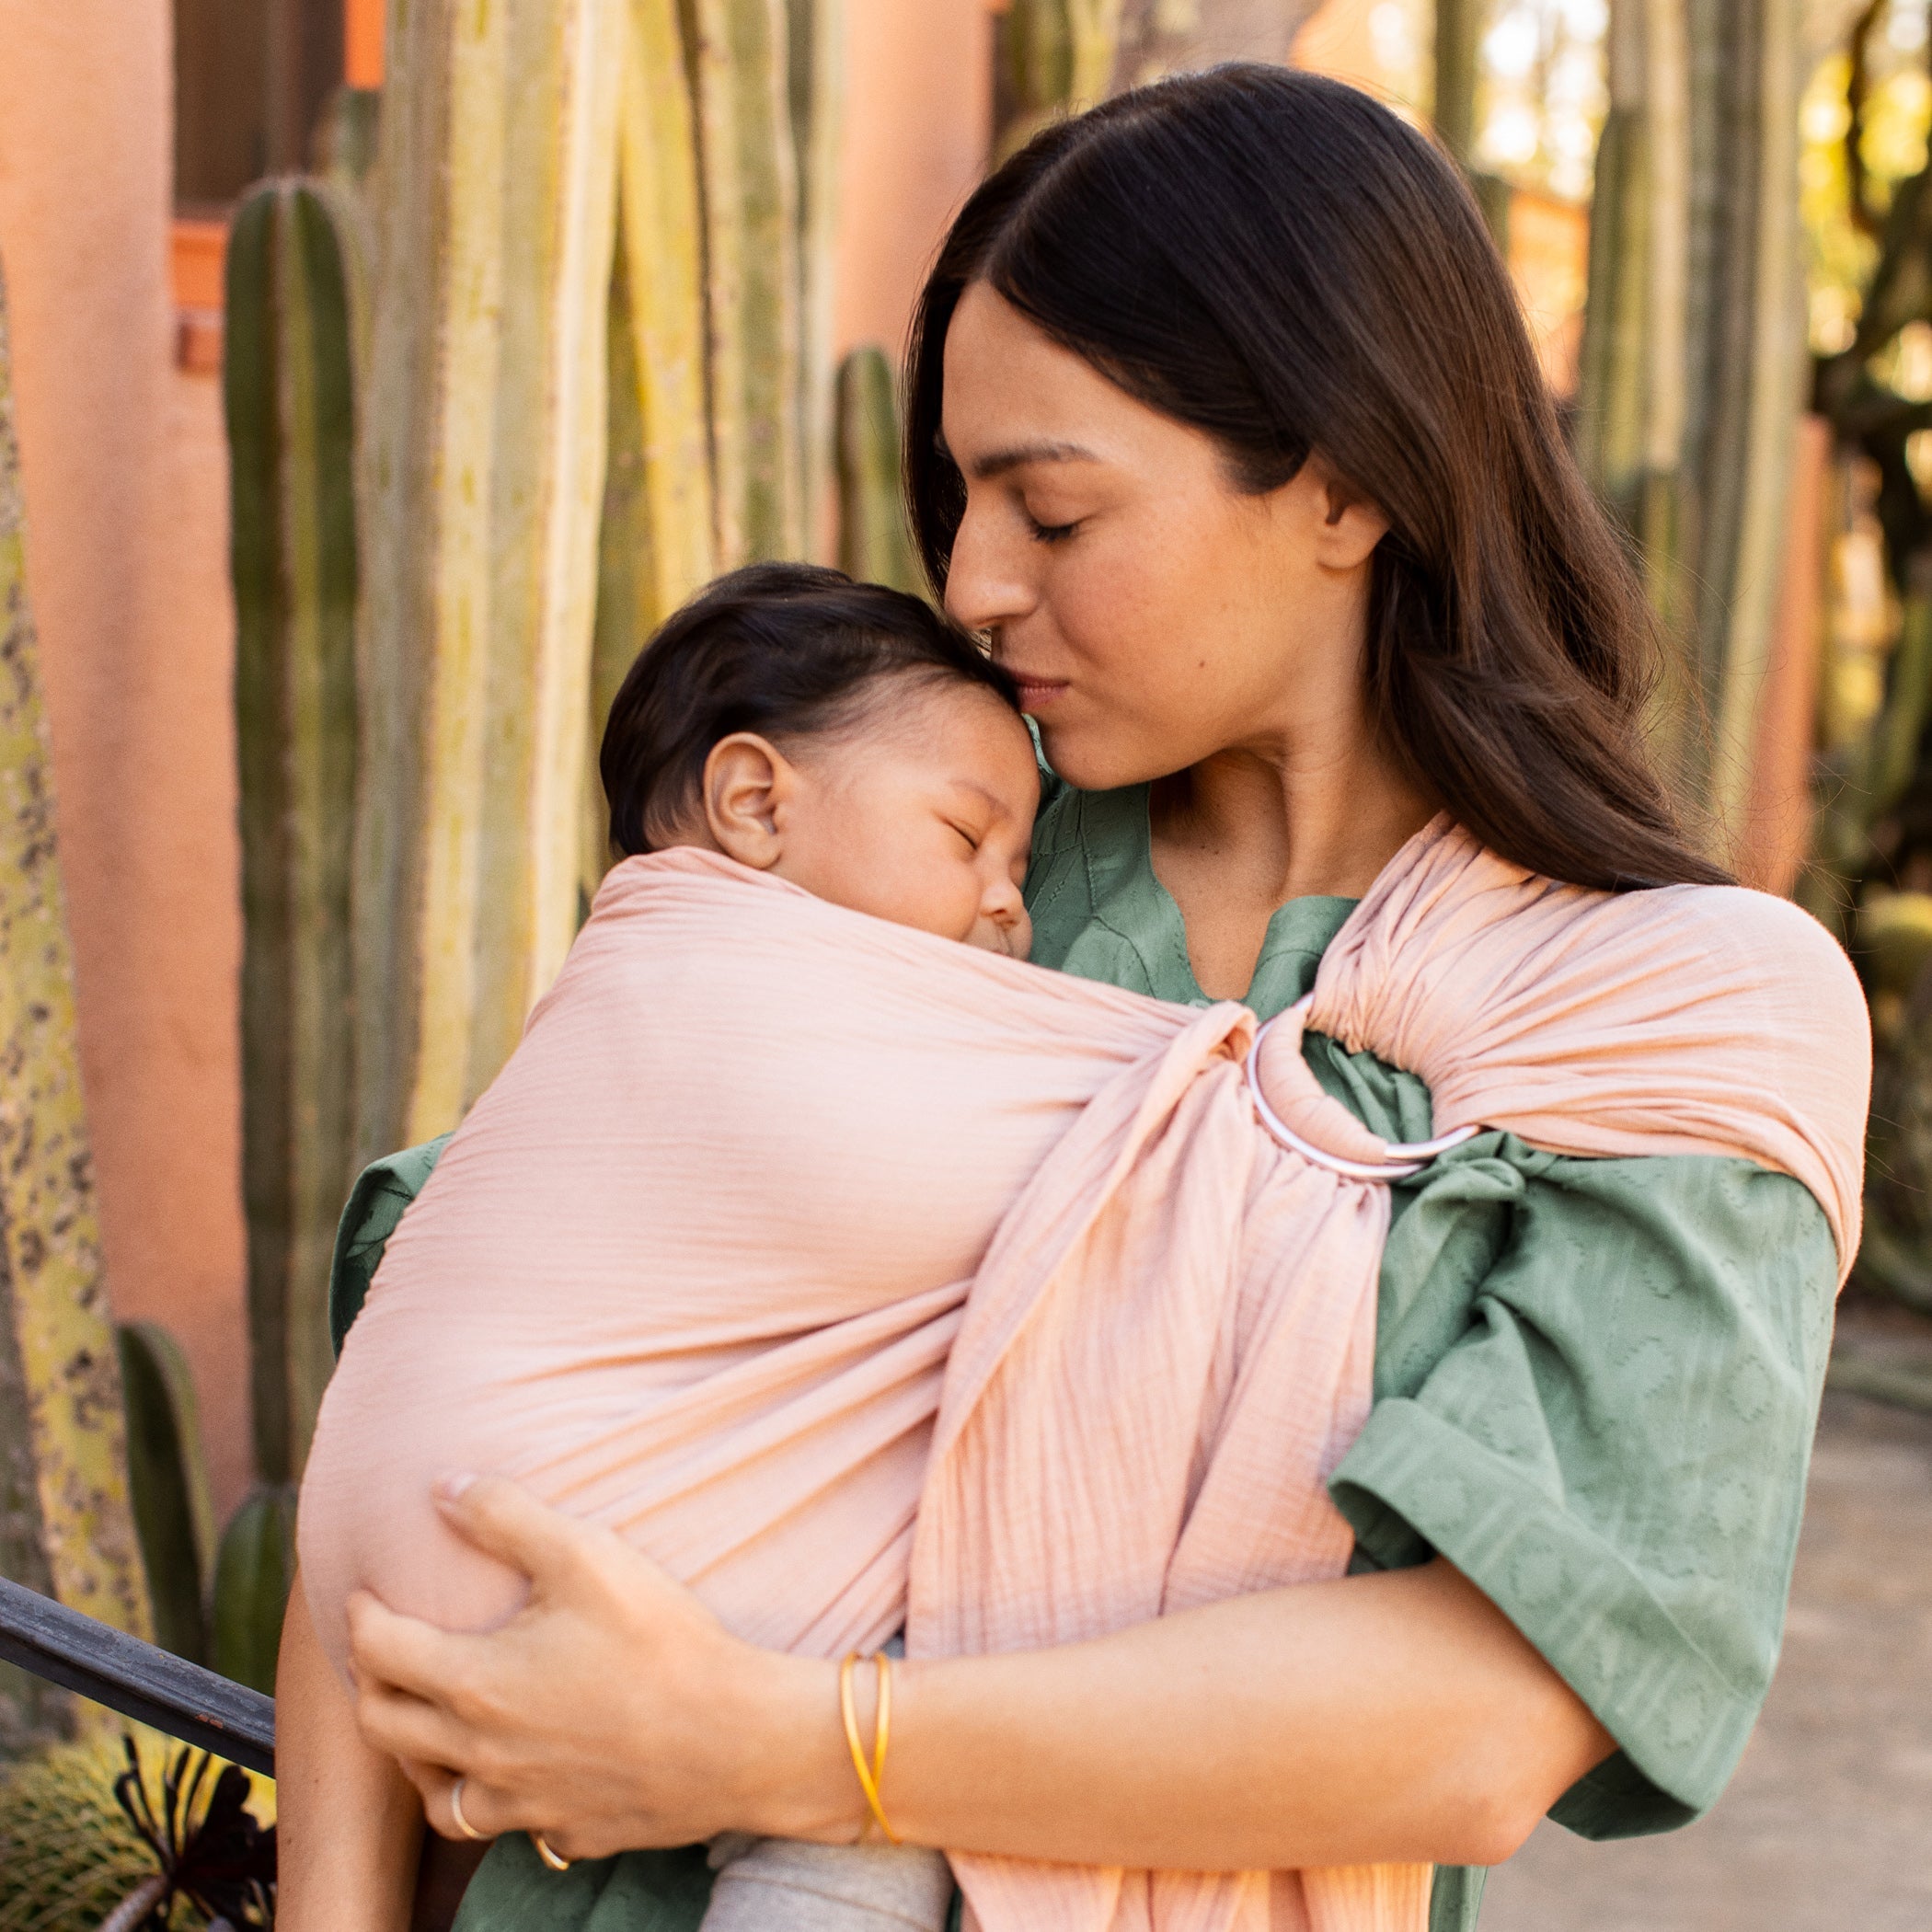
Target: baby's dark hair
[788,650]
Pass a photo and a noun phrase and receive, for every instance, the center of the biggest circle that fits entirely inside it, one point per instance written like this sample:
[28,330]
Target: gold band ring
[547,1855]
[463,1824]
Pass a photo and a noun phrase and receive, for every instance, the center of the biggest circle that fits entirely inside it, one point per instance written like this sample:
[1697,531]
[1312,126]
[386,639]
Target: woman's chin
[1087,761]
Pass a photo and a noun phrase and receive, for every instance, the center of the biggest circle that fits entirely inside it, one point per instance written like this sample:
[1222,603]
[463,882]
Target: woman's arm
[1372,1718]
[349,1826]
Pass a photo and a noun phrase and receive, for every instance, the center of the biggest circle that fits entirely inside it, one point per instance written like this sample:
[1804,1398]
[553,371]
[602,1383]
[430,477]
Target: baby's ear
[747,782]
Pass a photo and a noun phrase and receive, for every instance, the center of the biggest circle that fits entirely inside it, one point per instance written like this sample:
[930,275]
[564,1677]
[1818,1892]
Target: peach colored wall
[919,125]
[126,485]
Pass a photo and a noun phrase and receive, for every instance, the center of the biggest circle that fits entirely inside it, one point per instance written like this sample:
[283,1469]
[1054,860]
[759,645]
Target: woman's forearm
[1372,1719]
[349,1827]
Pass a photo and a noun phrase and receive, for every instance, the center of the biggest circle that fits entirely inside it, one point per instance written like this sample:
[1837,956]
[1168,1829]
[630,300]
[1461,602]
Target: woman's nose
[983,588]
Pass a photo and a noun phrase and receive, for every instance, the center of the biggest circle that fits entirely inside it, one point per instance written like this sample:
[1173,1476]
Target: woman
[1224,425]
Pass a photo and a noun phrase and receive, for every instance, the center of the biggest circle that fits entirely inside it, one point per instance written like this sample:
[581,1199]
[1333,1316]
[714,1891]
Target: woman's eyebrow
[997,463]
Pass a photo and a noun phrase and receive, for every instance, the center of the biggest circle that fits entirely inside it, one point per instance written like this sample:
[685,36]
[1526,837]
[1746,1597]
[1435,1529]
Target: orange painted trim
[198,259]
[362,34]
[197,255]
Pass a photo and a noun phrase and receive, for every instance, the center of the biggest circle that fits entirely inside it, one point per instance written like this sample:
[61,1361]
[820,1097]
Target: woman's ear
[1351,525]
[748,786]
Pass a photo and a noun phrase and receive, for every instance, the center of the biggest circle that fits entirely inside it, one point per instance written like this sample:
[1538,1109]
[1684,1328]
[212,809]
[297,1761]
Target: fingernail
[449,1488]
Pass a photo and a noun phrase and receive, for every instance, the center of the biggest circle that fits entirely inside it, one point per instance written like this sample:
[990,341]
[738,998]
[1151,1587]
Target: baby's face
[921,813]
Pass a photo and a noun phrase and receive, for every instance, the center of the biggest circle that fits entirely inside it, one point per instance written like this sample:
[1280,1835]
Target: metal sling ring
[1404,1157]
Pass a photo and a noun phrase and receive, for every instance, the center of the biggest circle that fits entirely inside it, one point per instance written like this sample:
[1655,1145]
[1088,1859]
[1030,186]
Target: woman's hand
[613,1712]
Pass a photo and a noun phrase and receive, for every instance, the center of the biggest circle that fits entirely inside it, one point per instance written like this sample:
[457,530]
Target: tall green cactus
[67,1527]
[1693,356]
[483,474]
[874,543]
[289,387]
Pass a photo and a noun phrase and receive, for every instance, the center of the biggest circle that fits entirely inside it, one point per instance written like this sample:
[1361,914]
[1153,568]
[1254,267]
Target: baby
[843,738]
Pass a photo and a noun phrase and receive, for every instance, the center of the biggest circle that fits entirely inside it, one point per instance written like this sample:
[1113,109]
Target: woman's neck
[1239,834]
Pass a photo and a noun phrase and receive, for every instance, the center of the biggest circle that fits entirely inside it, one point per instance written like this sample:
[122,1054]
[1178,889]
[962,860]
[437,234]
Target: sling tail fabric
[697,1266]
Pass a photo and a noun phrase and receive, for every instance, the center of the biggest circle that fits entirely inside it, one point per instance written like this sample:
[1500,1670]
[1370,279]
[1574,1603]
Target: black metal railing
[138,1680]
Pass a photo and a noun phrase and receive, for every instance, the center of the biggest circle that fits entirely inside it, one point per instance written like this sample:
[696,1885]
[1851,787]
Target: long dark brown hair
[1278,260]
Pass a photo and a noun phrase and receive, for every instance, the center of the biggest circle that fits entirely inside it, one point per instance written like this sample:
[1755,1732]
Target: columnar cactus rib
[289,394]
[65,1436]
[1094,29]
[1693,358]
[664,270]
[752,239]
[874,543]
[483,476]
[423,477]
[559,216]
[818,122]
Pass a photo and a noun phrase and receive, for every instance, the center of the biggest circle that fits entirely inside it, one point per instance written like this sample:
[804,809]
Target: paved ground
[1827,1826]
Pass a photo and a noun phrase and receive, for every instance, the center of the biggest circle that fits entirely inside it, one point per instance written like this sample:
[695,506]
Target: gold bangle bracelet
[871,1776]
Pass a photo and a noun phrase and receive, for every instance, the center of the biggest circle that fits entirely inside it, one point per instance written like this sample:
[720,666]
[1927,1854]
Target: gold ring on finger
[463,1824]
[547,1855]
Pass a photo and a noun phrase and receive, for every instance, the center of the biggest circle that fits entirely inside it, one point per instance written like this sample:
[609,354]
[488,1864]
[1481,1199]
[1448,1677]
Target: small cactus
[252,1574]
[167,1475]
[69,1855]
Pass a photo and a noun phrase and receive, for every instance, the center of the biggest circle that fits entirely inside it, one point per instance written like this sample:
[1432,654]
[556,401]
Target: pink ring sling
[865,1281]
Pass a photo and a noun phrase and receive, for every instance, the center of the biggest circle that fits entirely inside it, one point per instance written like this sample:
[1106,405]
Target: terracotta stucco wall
[126,502]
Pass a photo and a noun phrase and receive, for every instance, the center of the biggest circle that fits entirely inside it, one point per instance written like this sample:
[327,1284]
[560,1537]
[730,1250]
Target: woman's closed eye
[1050,532]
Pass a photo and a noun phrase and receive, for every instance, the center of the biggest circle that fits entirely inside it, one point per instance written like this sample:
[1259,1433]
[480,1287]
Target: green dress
[1596,1383]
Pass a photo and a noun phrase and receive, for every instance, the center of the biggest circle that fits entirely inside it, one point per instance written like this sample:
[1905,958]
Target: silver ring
[1404,1157]
[463,1824]
[551,1858]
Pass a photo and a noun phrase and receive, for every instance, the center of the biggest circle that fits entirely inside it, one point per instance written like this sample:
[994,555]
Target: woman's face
[1154,614]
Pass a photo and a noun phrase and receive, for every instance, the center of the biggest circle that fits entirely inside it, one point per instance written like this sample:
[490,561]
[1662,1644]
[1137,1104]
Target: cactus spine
[288,390]
[874,543]
[66,1526]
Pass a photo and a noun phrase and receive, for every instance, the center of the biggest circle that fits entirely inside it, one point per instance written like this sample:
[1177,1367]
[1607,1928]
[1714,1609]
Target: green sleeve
[381,1191]
[1596,1387]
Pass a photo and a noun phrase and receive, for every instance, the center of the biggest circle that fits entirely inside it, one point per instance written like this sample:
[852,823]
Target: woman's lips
[1037,691]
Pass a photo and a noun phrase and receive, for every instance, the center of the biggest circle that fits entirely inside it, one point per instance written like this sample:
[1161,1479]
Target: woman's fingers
[509,1523]
[408,1727]
[401,1651]
[484,1814]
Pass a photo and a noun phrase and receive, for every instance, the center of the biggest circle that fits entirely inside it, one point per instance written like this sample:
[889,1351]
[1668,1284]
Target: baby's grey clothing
[787,1885]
